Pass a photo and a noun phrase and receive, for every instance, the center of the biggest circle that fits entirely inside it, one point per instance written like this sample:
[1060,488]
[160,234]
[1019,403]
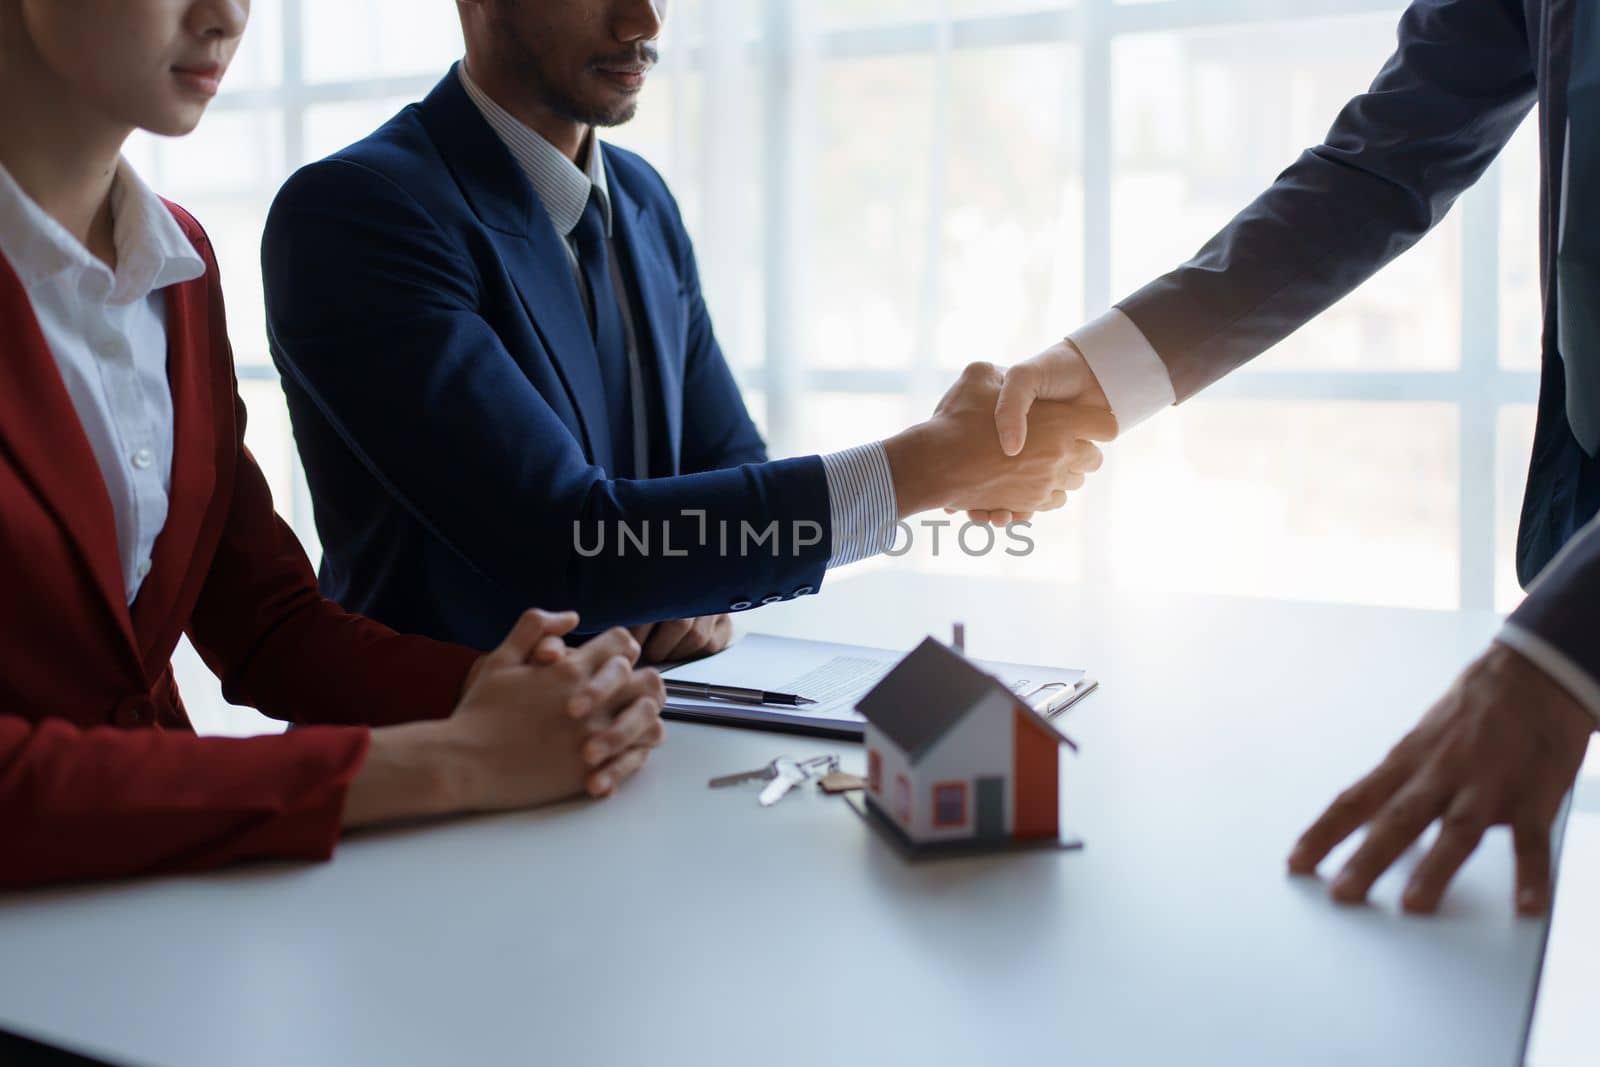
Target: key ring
[827,764]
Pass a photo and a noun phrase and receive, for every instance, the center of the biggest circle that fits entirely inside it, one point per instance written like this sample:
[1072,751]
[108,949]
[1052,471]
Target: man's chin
[614,115]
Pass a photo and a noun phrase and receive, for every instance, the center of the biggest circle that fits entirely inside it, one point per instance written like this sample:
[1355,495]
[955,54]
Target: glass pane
[868,230]
[1232,108]
[848,13]
[330,127]
[852,419]
[230,152]
[258,64]
[225,174]
[352,39]
[268,436]
[1010,268]
[867,12]
[1315,500]
[1521,306]
[1514,445]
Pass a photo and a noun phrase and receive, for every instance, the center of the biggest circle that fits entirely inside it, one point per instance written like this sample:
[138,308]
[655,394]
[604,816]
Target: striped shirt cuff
[1129,370]
[1547,657]
[861,502]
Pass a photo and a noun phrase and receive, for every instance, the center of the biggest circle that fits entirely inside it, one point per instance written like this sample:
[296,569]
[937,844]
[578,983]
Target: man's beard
[530,70]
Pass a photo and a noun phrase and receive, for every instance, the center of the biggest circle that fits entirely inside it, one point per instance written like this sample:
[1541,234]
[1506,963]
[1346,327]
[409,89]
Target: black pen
[734,694]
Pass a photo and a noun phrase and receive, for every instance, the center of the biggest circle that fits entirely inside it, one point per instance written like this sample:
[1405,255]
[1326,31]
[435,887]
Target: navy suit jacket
[447,401]
[1465,74]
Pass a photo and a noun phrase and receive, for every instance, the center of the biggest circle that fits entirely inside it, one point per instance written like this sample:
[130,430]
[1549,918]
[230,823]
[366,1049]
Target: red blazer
[101,773]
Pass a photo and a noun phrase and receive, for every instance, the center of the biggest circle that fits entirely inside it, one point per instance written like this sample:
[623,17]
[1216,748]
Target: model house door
[991,820]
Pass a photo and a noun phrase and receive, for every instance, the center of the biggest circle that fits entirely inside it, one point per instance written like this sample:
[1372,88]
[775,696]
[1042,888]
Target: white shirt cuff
[1130,373]
[1554,662]
[861,502]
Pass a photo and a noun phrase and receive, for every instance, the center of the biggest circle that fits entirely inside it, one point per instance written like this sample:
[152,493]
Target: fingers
[604,782]
[1530,838]
[638,724]
[531,627]
[665,639]
[1085,458]
[1017,394]
[1093,424]
[548,650]
[1460,831]
[1399,824]
[1349,810]
[614,642]
[602,689]
[598,670]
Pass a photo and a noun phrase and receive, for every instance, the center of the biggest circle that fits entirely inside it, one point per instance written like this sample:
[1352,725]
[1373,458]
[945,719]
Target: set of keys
[785,772]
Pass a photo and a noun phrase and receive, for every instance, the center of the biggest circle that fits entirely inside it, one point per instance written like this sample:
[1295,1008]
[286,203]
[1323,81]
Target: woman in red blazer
[100,772]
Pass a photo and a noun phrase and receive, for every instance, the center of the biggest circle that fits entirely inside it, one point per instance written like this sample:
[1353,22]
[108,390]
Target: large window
[883,190]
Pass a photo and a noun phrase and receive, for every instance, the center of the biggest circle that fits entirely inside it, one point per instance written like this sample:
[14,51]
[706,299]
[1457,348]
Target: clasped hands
[539,721]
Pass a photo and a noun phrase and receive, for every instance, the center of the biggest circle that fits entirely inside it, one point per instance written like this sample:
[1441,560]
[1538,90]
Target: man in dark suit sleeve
[1504,745]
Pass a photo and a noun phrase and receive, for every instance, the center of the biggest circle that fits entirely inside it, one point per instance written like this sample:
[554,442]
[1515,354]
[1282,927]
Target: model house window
[950,805]
[875,771]
[902,798]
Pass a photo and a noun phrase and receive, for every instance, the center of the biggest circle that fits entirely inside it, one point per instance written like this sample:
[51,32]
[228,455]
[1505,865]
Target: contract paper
[836,677]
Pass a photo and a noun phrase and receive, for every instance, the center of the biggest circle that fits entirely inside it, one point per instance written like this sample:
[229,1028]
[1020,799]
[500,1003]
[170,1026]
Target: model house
[954,757]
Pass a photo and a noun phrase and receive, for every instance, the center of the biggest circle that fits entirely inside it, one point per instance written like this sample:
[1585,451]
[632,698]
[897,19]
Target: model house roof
[926,694]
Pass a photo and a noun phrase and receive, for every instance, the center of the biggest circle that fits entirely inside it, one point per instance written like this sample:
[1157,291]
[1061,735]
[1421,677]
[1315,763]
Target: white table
[676,925]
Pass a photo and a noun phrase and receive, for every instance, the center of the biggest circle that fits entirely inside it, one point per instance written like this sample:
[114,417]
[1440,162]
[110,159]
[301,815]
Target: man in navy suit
[505,385]
[1504,745]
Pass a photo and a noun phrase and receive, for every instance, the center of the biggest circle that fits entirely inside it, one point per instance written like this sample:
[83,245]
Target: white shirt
[108,334]
[861,501]
[1137,385]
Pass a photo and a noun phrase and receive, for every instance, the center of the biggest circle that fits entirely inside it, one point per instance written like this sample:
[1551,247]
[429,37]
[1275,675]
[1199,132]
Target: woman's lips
[205,79]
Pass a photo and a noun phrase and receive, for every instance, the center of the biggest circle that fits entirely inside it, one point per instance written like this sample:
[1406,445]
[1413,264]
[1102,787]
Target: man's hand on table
[677,640]
[537,722]
[1502,747]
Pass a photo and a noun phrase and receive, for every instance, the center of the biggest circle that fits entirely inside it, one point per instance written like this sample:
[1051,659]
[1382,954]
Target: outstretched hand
[1058,373]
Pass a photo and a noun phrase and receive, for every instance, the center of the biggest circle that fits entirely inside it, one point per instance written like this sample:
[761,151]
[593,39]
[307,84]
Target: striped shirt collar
[562,187]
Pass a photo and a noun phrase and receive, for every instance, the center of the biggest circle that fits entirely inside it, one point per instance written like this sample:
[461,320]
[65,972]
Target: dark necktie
[610,336]
[1578,261]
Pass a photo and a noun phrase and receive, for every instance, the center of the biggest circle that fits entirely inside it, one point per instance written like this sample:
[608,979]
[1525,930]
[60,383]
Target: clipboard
[836,676]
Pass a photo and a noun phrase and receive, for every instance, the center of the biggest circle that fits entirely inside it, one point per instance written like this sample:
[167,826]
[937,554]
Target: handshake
[539,722]
[992,451]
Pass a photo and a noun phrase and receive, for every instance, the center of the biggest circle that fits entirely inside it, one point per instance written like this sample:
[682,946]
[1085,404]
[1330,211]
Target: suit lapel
[534,254]
[42,431]
[657,287]
[196,420]
[1554,64]
[542,275]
